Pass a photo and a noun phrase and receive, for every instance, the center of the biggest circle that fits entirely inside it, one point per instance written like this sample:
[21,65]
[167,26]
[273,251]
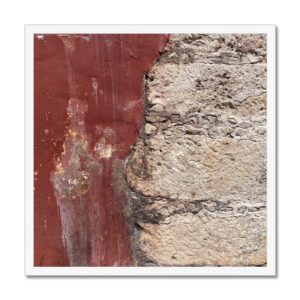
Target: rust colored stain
[87,113]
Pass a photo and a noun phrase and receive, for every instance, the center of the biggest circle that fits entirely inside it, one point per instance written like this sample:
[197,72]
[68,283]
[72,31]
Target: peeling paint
[81,131]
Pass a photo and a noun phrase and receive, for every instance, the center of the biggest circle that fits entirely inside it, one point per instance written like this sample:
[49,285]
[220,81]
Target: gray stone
[149,128]
[203,168]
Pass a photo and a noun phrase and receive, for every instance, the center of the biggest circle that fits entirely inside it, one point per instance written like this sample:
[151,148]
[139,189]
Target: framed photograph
[150,150]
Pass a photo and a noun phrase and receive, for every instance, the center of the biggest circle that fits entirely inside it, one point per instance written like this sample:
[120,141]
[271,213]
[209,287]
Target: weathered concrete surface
[198,170]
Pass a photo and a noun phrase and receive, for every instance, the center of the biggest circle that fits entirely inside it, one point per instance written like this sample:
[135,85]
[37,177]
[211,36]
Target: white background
[270,30]
[14,14]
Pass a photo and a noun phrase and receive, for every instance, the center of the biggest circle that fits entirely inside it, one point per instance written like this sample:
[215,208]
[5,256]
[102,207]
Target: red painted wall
[87,111]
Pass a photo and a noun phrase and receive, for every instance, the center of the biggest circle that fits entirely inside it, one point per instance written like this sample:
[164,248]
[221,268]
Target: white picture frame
[268,270]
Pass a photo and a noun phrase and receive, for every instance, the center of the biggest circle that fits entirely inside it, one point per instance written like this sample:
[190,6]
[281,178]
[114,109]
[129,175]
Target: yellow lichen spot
[103,150]
[59,168]
[64,149]
[73,133]
[107,153]
[84,175]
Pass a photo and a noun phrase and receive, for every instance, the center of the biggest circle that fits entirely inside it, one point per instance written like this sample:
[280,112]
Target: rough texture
[198,170]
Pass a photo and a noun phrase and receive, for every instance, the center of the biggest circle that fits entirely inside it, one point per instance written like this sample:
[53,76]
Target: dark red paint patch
[87,105]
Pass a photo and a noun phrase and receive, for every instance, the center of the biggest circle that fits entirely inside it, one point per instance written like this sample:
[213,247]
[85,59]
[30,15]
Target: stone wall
[198,170]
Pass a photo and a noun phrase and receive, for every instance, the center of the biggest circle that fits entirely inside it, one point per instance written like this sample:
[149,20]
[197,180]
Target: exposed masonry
[198,170]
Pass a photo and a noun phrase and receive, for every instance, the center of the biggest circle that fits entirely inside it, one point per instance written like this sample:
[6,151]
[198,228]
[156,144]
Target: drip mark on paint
[75,172]
[95,89]
[69,48]
[75,179]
